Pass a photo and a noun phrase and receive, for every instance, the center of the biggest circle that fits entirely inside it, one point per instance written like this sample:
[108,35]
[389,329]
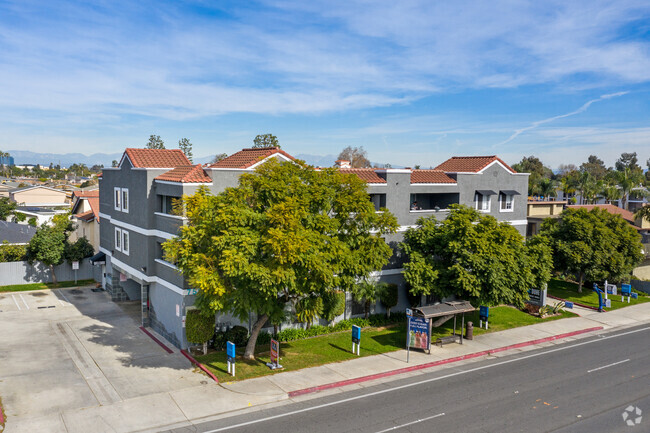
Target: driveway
[69,349]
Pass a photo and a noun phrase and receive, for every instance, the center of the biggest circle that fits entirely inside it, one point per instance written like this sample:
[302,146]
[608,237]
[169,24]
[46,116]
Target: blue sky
[414,82]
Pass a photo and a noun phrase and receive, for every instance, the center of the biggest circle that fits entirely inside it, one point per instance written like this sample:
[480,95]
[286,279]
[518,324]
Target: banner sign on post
[356,339]
[275,355]
[484,314]
[230,353]
[419,333]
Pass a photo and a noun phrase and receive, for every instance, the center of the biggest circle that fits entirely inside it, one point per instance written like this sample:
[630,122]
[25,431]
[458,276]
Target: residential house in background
[85,215]
[14,233]
[136,207]
[41,202]
[539,210]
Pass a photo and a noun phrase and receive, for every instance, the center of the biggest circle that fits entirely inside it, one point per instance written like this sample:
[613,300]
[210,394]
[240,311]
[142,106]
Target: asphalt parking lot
[69,349]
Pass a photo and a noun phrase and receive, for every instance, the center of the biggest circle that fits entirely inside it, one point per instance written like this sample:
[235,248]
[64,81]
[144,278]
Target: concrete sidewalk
[183,407]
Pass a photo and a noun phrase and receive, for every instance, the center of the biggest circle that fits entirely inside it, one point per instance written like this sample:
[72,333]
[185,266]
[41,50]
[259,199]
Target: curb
[574,303]
[201,366]
[437,363]
[153,337]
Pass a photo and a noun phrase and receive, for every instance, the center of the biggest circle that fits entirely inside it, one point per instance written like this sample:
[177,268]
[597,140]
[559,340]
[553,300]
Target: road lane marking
[434,379]
[608,365]
[411,423]
[16,302]
[24,302]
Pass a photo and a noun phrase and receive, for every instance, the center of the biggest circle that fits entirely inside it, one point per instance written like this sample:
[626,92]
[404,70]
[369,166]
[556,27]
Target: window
[116,198]
[170,205]
[125,200]
[125,242]
[118,239]
[482,202]
[506,201]
[379,200]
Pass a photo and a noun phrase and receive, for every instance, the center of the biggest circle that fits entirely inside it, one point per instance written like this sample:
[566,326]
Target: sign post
[275,355]
[409,314]
[75,266]
[626,290]
[230,352]
[419,333]
[356,339]
[484,314]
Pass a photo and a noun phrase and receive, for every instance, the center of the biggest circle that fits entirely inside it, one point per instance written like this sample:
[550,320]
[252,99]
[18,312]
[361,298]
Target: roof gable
[248,158]
[155,158]
[471,164]
[186,174]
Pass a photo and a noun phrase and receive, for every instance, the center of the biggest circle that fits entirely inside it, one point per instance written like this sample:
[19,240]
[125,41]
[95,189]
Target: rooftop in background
[615,210]
[155,158]
[93,200]
[186,174]
[15,233]
[248,158]
[470,164]
[367,174]
[430,176]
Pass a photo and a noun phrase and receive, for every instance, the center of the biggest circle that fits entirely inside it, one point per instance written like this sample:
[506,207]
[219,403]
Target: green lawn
[569,291]
[337,347]
[41,286]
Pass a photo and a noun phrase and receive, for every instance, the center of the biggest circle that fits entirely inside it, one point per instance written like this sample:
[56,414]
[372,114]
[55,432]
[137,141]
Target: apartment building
[138,214]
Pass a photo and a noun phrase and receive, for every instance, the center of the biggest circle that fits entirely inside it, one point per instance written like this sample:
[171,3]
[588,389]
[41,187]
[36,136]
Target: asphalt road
[581,386]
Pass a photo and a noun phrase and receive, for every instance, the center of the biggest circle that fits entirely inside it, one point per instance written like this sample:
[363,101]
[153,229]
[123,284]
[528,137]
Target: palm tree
[547,187]
[568,184]
[610,192]
[627,180]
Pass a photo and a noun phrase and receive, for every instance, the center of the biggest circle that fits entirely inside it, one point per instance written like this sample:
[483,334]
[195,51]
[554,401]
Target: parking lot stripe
[63,295]
[16,302]
[24,302]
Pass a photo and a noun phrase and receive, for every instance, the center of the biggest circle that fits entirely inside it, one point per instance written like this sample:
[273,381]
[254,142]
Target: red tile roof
[186,174]
[470,164]
[93,200]
[86,216]
[157,158]
[430,176]
[615,210]
[367,174]
[248,157]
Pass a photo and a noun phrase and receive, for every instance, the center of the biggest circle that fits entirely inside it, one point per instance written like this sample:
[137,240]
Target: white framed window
[506,202]
[125,200]
[481,202]
[118,239]
[117,193]
[125,242]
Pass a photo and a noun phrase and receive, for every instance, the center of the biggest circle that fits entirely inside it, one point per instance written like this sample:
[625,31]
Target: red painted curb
[160,343]
[436,363]
[574,303]
[201,366]
[2,417]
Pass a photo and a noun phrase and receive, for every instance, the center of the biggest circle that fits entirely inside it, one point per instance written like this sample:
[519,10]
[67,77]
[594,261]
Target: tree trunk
[442,320]
[54,282]
[388,312]
[581,281]
[367,309]
[205,348]
[257,327]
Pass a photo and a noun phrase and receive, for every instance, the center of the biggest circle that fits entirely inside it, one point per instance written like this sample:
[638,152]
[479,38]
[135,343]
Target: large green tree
[595,167]
[538,173]
[475,257]
[357,156]
[287,232]
[155,142]
[7,208]
[265,140]
[185,145]
[593,245]
[50,243]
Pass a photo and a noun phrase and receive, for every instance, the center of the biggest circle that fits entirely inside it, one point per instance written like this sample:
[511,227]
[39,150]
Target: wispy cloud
[538,123]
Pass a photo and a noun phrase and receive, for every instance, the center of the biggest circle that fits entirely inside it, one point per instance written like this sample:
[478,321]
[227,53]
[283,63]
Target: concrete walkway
[181,408]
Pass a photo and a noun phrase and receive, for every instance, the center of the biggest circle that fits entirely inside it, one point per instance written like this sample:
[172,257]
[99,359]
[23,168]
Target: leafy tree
[388,295]
[627,160]
[79,250]
[266,140]
[308,309]
[366,293]
[199,327]
[48,247]
[185,145]
[218,157]
[643,213]
[475,257]
[114,163]
[155,142]
[593,245]
[333,304]
[538,173]
[595,167]
[18,217]
[32,222]
[628,179]
[357,156]
[546,187]
[7,208]
[285,233]
[12,252]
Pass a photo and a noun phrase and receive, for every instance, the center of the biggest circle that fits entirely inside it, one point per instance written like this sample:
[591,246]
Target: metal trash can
[469,334]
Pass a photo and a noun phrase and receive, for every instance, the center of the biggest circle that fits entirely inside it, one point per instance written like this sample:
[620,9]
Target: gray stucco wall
[24,273]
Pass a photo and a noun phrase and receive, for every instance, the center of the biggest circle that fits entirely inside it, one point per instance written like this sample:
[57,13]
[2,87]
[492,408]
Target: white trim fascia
[273,155]
[169,265]
[140,230]
[110,168]
[178,217]
[460,172]
[143,277]
[25,204]
[377,184]
[169,182]
[434,184]
[393,170]
[18,191]
[124,155]
[517,222]
[383,272]
[428,210]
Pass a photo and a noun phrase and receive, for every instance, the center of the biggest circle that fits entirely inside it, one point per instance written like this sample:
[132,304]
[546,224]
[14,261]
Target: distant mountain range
[22,157]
